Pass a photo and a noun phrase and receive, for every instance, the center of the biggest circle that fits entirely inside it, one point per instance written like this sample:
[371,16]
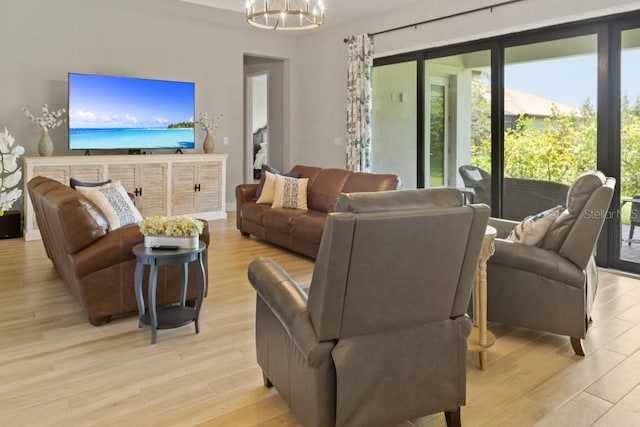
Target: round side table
[172,316]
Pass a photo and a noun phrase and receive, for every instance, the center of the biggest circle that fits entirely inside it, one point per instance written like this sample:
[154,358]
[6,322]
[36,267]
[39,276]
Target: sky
[571,80]
[119,102]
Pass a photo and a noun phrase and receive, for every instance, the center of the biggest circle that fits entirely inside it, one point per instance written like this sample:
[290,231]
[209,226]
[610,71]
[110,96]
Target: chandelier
[285,14]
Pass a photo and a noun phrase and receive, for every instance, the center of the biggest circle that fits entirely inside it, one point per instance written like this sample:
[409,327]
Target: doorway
[265,115]
[257,122]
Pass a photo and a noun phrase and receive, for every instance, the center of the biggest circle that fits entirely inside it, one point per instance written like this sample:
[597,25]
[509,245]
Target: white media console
[163,184]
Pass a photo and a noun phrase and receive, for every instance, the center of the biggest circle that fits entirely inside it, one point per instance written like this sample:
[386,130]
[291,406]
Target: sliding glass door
[550,94]
[512,121]
[629,219]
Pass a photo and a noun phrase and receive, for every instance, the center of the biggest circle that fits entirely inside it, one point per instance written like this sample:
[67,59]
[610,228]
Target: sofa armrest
[536,260]
[244,193]
[502,226]
[288,302]
[113,248]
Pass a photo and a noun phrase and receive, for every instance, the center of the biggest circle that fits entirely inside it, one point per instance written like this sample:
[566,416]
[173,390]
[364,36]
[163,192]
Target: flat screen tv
[107,112]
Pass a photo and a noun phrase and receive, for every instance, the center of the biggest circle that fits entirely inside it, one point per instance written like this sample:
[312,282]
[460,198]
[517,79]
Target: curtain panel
[360,65]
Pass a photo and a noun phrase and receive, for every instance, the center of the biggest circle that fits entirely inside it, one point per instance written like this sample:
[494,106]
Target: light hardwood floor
[57,369]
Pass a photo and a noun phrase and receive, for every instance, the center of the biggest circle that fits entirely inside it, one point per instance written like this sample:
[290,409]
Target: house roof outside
[517,103]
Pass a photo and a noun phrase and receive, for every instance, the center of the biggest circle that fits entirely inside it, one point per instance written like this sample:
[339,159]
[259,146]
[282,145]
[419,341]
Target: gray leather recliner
[552,286]
[381,336]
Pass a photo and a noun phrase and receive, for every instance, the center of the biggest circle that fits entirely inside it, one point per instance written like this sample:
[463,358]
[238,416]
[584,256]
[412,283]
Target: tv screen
[107,112]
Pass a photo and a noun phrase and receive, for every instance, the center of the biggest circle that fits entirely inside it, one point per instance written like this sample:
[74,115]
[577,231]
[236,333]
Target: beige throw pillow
[266,196]
[533,228]
[290,193]
[114,202]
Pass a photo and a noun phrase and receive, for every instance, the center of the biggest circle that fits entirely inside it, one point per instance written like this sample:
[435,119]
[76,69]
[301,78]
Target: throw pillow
[533,228]
[114,202]
[73,183]
[274,171]
[266,195]
[290,193]
[474,174]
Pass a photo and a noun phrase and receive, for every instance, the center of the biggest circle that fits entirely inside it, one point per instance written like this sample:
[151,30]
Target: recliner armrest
[288,302]
[465,324]
[536,260]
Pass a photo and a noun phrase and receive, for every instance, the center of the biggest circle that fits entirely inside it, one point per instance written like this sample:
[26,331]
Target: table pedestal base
[473,344]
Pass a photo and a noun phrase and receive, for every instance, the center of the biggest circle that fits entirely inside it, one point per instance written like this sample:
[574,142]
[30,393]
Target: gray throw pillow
[267,168]
[73,183]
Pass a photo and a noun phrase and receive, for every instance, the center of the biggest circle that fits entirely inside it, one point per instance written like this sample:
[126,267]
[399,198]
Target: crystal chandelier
[285,14]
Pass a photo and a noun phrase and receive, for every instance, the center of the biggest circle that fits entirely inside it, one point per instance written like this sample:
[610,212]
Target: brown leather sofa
[97,264]
[299,230]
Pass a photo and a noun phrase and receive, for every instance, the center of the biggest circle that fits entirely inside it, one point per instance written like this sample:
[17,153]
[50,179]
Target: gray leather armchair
[552,286]
[381,336]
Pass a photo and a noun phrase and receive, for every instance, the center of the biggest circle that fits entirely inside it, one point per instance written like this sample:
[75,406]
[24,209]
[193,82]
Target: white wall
[319,105]
[43,40]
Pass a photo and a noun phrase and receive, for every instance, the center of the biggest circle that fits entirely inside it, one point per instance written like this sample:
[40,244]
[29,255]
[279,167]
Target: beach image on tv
[108,112]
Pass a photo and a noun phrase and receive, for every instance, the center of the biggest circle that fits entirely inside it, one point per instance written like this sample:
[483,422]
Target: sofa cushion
[362,182]
[281,219]
[290,193]
[310,172]
[325,189]
[308,227]
[251,211]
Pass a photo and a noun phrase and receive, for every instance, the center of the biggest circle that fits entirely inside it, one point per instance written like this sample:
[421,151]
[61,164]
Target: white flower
[48,120]
[10,173]
[208,124]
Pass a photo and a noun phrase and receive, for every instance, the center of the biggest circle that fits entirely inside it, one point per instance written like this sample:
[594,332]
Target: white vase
[45,145]
[208,145]
[188,242]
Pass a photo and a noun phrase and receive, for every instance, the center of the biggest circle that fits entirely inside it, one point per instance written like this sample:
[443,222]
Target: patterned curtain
[360,64]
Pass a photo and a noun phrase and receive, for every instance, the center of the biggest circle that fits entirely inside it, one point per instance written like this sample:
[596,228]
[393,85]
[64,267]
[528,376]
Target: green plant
[170,226]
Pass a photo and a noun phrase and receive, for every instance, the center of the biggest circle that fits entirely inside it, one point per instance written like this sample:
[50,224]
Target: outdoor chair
[634,218]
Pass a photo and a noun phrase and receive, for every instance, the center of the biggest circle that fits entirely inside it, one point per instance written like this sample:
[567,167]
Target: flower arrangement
[208,124]
[48,120]
[171,226]
[10,173]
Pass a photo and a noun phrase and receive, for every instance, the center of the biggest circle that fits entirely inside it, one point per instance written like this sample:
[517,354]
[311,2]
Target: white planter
[189,242]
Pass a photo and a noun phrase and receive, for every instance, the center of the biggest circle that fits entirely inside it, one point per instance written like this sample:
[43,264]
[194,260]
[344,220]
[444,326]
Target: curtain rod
[453,15]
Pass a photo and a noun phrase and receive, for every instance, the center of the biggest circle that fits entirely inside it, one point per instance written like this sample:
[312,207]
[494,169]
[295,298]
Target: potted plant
[181,231]
[10,172]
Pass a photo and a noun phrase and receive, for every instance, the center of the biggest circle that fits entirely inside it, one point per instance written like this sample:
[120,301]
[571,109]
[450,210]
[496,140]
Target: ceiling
[337,11]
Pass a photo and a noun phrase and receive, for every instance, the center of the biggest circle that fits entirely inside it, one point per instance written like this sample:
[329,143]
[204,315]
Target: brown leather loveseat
[97,264]
[299,230]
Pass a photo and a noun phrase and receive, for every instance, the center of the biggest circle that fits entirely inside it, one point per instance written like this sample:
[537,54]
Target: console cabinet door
[210,179]
[147,182]
[196,187]
[183,188]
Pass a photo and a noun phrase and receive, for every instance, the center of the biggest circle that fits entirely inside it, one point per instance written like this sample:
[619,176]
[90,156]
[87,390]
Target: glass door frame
[608,30]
